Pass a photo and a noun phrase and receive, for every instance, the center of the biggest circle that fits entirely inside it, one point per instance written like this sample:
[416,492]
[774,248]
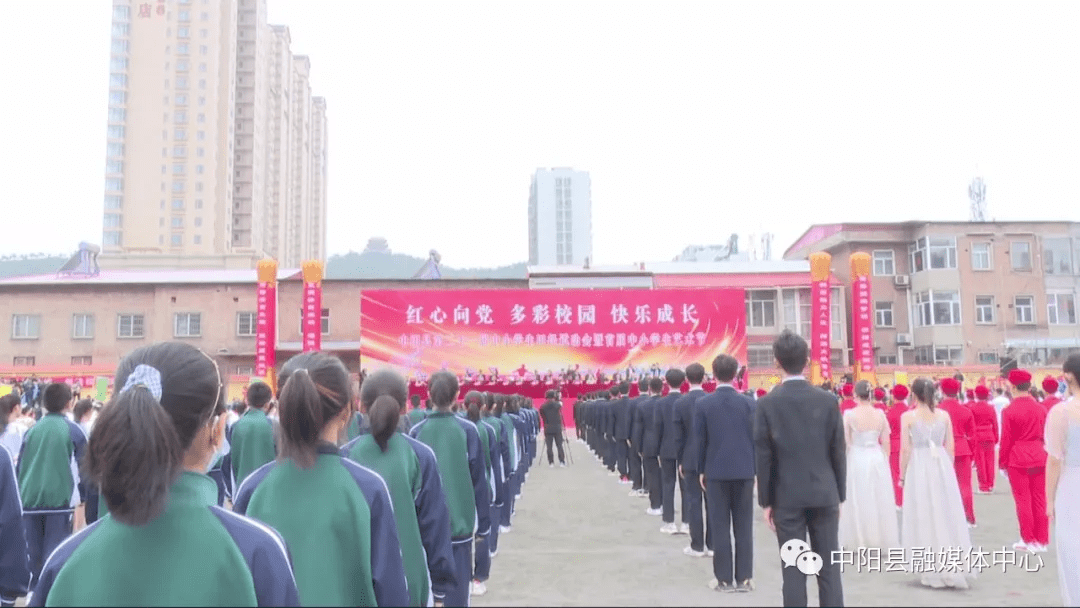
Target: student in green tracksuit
[457,447]
[335,515]
[415,414]
[251,438]
[489,440]
[412,473]
[164,540]
[48,476]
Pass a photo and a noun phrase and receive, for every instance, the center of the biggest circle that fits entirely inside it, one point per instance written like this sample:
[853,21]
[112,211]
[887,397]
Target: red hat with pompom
[761,392]
[950,386]
[848,390]
[879,393]
[900,392]
[1049,385]
[981,392]
[970,393]
[1019,377]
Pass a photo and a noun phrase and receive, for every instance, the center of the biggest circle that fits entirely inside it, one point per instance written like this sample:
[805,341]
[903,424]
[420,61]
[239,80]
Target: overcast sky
[694,119]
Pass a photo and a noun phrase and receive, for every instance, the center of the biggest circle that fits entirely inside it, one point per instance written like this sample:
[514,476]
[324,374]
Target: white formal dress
[1063,443]
[933,520]
[868,517]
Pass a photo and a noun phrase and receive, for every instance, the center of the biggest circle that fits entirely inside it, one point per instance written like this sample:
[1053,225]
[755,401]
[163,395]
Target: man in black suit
[724,436]
[637,428]
[690,489]
[622,431]
[801,469]
[670,441]
[551,416]
[650,446]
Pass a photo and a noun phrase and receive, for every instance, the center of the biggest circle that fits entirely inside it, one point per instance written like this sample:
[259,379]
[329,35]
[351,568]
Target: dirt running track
[579,540]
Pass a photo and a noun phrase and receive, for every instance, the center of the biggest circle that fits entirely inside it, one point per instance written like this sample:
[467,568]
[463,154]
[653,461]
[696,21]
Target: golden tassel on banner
[266,326]
[821,323]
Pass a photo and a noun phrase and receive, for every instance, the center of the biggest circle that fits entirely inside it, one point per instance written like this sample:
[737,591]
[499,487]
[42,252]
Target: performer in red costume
[969,395]
[1050,387]
[879,400]
[986,438]
[1023,457]
[761,393]
[900,394]
[963,426]
[849,402]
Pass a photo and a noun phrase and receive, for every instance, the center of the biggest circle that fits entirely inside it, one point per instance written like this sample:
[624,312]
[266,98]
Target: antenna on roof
[977,194]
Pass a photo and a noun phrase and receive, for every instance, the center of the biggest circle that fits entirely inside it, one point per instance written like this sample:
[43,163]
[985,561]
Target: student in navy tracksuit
[164,540]
[407,463]
[14,559]
[492,415]
[457,447]
[336,515]
[47,469]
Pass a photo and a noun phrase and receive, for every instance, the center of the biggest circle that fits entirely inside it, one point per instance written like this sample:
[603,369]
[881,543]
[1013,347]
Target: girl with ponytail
[932,516]
[412,475]
[335,515]
[148,455]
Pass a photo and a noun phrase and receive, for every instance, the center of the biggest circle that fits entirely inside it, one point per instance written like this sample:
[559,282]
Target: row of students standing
[388,520]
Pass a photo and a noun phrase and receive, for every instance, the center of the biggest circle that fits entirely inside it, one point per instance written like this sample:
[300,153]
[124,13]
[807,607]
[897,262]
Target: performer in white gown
[933,522]
[1063,483]
[868,517]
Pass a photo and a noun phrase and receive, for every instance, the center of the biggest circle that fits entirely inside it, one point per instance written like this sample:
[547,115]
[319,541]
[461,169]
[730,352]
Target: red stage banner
[821,328]
[313,271]
[862,321]
[481,331]
[266,318]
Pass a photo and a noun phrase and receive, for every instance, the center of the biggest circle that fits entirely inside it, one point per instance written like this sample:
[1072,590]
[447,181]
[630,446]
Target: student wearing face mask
[336,515]
[149,453]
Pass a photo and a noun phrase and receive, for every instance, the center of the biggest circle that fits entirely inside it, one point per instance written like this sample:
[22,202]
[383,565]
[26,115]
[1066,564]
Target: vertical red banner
[266,318]
[862,320]
[821,311]
[312,309]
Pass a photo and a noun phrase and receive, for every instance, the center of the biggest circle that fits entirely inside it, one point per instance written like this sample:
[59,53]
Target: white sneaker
[551,466]
[494,553]
[684,529]
[1021,546]
[478,588]
[1039,548]
[562,465]
[625,482]
[633,493]
[692,553]
[504,529]
[711,552]
[654,511]
[669,529]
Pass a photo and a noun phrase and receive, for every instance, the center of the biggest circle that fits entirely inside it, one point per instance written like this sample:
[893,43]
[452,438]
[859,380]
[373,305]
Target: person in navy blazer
[724,439]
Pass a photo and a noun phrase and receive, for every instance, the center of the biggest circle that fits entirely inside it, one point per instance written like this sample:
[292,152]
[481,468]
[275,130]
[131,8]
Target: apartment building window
[187,325]
[984,310]
[325,321]
[114,166]
[201,135]
[948,355]
[761,308]
[1020,255]
[178,203]
[113,201]
[118,115]
[883,314]
[760,356]
[111,220]
[181,82]
[177,239]
[197,239]
[178,169]
[121,29]
[181,100]
[111,239]
[118,81]
[83,360]
[178,186]
[942,253]
[117,97]
[25,327]
[115,150]
[120,46]
[917,252]
[836,315]
[114,184]
[1057,256]
[988,357]
[116,132]
[129,326]
[886,359]
[182,65]
[182,32]
[797,311]
[1061,309]
[245,370]
[180,134]
[177,222]
[245,324]
[118,64]
[23,361]
[938,308]
[179,152]
[884,263]
[980,256]
[82,326]
[198,203]
[180,117]
[184,16]
[1025,310]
